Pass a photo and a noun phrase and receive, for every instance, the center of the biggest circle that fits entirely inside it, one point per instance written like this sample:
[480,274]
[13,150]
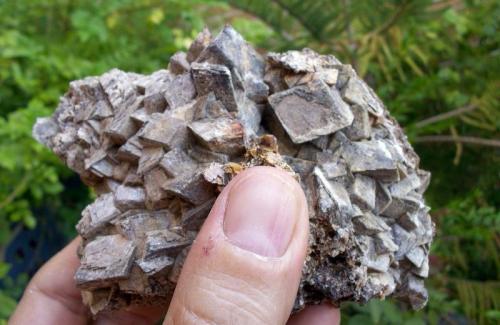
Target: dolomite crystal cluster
[158,148]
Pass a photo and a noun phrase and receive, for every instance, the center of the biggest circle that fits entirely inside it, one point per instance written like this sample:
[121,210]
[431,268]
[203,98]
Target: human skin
[243,268]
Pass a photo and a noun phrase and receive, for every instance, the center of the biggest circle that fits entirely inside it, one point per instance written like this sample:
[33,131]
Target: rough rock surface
[158,148]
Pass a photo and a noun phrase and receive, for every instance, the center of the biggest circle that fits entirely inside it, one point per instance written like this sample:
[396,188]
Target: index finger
[52,296]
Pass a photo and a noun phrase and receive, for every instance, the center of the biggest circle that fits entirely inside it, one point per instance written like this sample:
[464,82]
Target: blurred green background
[436,65]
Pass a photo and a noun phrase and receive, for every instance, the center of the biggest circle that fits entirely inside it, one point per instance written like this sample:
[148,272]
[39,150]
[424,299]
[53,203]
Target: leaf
[29,221]
[493,314]
[376,309]
[4,269]
[320,19]
[458,21]
[156,16]
[418,52]
[89,26]
[414,321]
[112,20]
[253,30]
[360,320]
[7,305]
[414,66]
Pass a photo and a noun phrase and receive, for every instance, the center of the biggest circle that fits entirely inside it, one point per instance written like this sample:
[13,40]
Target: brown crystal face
[158,148]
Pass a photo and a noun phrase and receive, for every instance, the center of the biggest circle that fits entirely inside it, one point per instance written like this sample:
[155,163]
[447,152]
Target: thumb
[245,265]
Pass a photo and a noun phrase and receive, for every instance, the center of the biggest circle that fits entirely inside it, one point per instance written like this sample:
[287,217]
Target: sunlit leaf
[7,305]
[156,16]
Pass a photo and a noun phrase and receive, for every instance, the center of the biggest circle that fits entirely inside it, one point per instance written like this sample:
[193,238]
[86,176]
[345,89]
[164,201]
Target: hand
[243,268]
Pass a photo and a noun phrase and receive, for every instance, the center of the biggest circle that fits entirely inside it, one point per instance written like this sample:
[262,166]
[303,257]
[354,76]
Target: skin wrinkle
[232,272]
[194,318]
[232,279]
[76,308]
[222,284]
[237,306]
[51,294]
[223,273]
[295,231]
[187,309]
[251,290]
[237,277]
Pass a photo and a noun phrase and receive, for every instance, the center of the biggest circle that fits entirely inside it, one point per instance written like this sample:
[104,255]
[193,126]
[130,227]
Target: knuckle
[188,315]
[242,301]
[221,299]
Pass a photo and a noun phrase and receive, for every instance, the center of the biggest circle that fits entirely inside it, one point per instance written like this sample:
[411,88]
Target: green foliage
[43,46]
[380,312]
[435,64]
[11,290]
[7,305]
[467,251]
[467,239]
[26,180]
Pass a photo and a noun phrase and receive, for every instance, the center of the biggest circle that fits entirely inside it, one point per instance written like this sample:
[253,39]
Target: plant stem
[393,20]
[446,115]
[462,139]
[17,191]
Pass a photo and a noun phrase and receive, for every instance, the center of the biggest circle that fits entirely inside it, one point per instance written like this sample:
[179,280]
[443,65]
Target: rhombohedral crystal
[158,148]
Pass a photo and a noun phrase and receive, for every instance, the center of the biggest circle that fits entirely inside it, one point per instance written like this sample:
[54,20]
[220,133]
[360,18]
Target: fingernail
[261,212]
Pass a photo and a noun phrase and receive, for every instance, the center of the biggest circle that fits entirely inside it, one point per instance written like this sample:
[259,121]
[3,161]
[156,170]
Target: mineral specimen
[158,148]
